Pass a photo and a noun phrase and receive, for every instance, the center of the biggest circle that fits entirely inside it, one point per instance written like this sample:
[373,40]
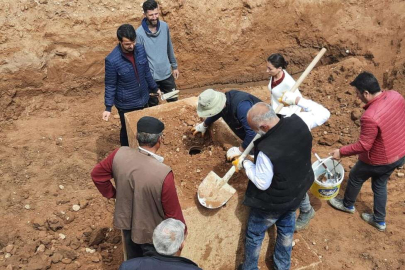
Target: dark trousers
[379,174]
[134,250]
[123,132]
[166,86]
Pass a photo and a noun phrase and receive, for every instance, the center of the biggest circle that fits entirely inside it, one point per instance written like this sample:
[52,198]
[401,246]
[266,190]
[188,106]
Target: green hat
[210,103]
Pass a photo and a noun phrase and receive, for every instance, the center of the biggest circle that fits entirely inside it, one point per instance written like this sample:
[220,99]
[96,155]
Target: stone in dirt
[75,244]
[90,250]
[54,224]
[97,236]
[56,257]
[356,114]
[41,248]
[329,139]
[400,174]
[83,203]
[66,261]
[95,258]
[76,207]
[9,248]
[68,253]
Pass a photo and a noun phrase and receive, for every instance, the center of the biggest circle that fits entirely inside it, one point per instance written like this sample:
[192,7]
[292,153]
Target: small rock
[75,244]
[177,149]
[329,139]
[9,248]
[41,248]
[95,259]
[27,206]
[54,224]
[198,170]
[90,250]
[62,236]
[76,207]
[356,114]
[400,174]
[61,187]
[59,141]
[66,261]
[314,243]
[8,255]
[326,248]
[293,243]
[97,236]
[83,203]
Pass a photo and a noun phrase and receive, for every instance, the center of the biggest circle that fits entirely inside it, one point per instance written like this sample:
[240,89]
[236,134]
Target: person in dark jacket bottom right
[168,240]
[381,147]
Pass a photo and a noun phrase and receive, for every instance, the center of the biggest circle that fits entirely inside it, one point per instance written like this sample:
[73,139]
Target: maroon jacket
[382,135]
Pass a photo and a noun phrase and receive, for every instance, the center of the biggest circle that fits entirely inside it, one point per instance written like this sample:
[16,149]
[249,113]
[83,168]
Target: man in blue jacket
[154,35]
[128,80]
[232,106]
[168,240]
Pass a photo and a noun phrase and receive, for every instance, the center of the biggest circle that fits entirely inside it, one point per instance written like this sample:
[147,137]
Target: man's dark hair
[149,5]
[277,60]
[366,81]
[126,31]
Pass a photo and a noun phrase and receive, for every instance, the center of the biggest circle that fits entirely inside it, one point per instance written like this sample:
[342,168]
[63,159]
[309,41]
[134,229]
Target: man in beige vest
[144,189]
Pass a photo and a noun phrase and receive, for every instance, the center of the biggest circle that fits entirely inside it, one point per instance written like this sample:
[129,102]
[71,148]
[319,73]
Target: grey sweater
[159,49]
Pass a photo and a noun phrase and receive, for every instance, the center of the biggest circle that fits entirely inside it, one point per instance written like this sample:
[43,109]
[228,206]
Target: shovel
[215,191]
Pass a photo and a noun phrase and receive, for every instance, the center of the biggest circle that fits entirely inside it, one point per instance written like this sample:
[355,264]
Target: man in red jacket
[381,147]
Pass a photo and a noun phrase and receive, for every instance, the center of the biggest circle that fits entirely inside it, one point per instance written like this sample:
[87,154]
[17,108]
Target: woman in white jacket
[280,82]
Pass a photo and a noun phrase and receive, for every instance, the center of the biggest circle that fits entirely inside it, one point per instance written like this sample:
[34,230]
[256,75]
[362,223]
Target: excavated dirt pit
[216,236]
[51,133]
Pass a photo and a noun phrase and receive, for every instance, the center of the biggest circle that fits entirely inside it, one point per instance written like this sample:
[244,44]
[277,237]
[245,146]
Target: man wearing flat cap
[232,106]
[144,189]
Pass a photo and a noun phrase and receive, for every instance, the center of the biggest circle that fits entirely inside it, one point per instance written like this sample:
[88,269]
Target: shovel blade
[213,192]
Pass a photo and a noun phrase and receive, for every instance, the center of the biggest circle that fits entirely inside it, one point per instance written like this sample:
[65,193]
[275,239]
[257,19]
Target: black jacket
[288,145]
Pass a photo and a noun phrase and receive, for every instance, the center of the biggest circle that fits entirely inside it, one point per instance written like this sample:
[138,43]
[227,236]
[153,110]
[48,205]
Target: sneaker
[338,204]
[369,218]
[303,219]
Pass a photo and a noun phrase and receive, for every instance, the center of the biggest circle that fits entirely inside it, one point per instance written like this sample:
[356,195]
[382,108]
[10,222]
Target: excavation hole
[195,150]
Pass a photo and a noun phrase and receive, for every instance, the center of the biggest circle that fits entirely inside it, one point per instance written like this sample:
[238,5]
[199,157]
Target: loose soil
[51,133]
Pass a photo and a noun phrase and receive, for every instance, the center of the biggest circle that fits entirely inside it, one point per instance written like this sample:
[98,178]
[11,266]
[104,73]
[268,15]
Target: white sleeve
[314,114]
[261,173]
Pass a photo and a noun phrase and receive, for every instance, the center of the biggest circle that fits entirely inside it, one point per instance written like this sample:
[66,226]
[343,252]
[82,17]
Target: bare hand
[106,115]
[176,73]
[335,154]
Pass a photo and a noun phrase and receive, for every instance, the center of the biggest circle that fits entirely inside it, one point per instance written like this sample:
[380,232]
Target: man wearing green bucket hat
[381,147]
[232,106]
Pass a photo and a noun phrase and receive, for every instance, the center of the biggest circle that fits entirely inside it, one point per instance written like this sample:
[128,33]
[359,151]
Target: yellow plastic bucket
[326,191]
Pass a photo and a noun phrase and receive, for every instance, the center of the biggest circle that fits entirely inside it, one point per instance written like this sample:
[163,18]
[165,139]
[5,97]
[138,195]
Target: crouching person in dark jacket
[168,239]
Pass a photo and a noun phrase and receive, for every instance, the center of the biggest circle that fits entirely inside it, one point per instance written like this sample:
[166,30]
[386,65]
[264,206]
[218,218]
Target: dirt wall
[59,46]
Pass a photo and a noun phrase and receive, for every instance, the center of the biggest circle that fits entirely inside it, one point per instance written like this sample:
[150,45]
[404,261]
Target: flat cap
[151,125]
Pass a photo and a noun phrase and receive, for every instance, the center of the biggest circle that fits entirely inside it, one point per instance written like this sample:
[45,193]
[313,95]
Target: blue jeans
[259,222]
[305,205]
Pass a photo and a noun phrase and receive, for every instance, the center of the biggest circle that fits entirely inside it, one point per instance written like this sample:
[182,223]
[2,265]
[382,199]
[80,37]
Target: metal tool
[170,95]
[215,191]
[329,174]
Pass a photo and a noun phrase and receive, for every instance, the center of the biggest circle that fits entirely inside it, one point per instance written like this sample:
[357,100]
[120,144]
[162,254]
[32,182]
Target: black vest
[229,113]
[288,145]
